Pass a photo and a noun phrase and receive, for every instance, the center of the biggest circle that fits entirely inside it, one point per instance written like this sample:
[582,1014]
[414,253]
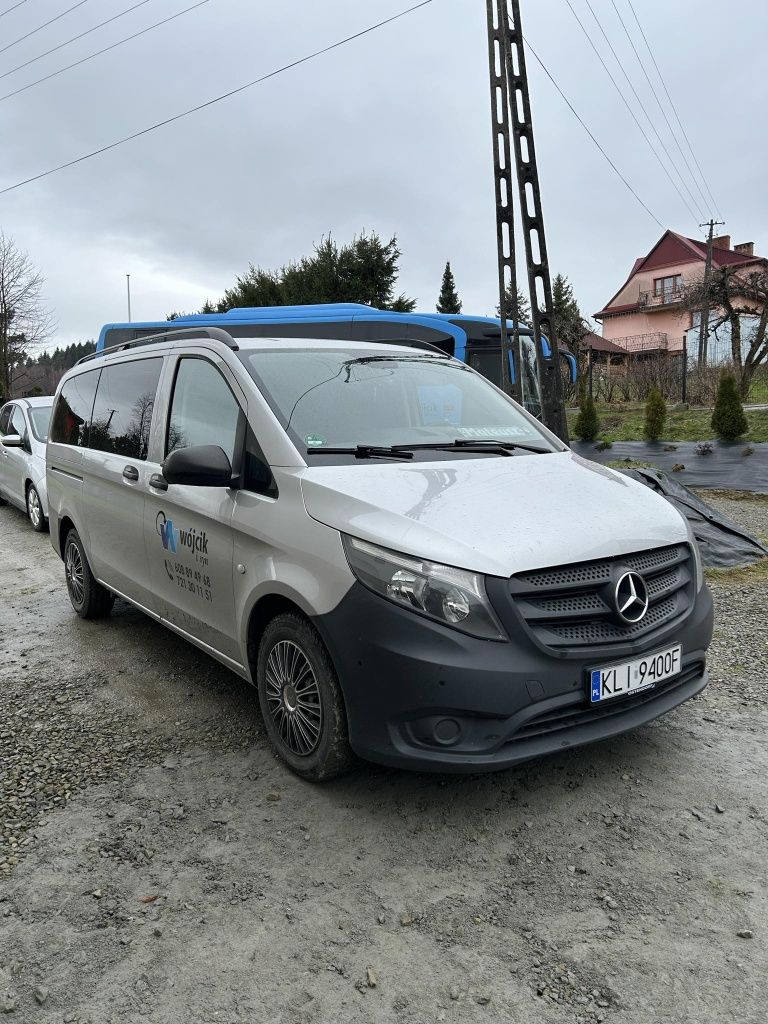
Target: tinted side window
[122,412]
[5,417]
[72,414]
[203,409]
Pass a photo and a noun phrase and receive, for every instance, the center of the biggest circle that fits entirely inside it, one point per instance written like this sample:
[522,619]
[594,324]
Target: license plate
[633,676]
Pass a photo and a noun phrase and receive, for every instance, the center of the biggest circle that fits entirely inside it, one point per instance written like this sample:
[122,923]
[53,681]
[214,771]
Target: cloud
[391,133]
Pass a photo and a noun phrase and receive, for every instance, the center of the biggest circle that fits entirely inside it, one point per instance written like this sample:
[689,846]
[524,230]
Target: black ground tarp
[722,543]
[726,466]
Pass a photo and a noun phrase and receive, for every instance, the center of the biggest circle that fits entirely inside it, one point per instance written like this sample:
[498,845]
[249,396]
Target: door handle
[131,474]
[158,482]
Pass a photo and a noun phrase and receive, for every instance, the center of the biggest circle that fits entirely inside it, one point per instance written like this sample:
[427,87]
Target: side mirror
[12,441]
[202,465]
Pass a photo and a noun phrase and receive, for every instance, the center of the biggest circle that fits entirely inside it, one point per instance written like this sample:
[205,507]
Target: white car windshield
[339,398]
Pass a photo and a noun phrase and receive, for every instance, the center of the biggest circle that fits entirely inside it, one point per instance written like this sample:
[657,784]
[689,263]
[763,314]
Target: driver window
[203,409]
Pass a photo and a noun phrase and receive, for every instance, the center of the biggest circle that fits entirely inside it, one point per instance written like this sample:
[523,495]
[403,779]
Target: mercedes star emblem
[631,597]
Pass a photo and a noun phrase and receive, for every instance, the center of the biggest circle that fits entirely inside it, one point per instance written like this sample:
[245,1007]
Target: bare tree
[24,321]
[734,293]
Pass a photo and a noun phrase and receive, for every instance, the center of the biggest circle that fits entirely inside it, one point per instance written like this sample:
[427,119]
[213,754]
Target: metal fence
[649,362]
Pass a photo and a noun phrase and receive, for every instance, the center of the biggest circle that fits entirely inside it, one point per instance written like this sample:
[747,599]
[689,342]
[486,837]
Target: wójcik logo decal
[173,539]
[168,533]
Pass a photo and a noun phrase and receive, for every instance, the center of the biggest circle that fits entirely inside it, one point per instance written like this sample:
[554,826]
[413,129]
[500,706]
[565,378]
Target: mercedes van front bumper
[423,696]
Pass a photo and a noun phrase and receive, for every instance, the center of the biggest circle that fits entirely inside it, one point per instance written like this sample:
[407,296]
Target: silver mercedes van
[407,565]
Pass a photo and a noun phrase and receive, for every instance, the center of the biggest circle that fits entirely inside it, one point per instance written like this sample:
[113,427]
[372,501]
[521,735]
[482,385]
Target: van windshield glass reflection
[342,397]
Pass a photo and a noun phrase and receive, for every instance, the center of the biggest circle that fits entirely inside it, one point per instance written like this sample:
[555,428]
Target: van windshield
[342,398]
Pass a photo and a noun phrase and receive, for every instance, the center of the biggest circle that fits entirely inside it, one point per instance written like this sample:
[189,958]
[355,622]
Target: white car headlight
[452,596]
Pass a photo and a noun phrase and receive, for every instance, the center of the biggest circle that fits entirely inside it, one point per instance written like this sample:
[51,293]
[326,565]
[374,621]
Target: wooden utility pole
[704,324]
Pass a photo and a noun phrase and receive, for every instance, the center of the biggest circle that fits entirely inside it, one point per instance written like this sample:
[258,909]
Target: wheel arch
[65,525]
[264,610]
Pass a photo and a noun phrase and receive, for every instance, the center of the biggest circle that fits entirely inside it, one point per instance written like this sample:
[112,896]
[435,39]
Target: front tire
[89,599]
[301,700]
[37,520]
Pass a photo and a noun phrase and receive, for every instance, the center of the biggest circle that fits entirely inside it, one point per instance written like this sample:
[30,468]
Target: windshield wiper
[367,451]
[405,451]
[397,359]
[475,445]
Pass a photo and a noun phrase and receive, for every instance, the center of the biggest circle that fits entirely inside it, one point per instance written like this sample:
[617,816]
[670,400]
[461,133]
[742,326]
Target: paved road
[157,863]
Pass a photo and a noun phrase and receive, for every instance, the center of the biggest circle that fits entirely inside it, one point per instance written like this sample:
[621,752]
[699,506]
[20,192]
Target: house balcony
[653,300]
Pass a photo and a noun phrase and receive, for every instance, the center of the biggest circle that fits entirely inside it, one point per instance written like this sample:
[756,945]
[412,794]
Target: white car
[23,437]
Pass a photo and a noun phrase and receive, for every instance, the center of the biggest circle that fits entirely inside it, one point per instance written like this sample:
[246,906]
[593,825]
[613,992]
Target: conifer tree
[655,415]
[728,419]
[587,425]
[448,301]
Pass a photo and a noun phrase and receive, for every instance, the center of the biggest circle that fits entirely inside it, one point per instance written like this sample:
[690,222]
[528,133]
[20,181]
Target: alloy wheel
[293,698]
[33,508]
[73,568]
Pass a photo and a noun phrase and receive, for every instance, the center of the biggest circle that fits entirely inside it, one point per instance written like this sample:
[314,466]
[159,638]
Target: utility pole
[128,284]
[704,325]
[502,174]
[511,113]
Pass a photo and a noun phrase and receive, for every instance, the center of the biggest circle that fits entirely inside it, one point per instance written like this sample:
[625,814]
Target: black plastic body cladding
[423,696]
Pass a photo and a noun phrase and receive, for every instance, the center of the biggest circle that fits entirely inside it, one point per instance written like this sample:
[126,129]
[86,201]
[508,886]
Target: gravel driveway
[158,864]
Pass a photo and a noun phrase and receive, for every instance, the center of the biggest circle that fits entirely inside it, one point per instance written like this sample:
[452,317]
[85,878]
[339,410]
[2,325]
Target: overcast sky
[391,133]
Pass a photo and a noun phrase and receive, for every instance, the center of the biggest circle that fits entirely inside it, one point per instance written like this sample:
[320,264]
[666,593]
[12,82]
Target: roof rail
[178,334]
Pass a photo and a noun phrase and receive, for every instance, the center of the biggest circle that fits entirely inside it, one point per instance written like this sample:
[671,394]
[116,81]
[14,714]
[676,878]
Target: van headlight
[454,597]
[698,566]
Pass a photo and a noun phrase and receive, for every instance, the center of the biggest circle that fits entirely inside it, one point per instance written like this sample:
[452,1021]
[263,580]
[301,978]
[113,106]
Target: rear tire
[301,700]
[37,520]
[89,599]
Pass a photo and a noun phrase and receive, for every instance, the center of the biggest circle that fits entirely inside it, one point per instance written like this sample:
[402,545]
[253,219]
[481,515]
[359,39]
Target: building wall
[664,320]
[643,282]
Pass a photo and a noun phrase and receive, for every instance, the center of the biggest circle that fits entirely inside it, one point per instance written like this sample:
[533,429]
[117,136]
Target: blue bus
[475,340]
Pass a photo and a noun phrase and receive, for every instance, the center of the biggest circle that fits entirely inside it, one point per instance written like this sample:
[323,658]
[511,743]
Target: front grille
[574,715]
[572,606]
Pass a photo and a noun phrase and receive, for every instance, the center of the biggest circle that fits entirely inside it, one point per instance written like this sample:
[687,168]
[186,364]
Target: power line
[12,8]
[660,105]
[74,39]
[644,109]
[218,99]
[575,113]
[629,108]
[674,108]
[41,27]
[84,60]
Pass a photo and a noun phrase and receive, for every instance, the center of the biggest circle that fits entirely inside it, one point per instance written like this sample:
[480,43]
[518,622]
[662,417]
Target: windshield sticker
[493,433]
[314,441]
[440,404]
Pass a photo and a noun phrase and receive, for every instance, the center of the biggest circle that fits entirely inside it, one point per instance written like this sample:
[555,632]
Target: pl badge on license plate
[633,676]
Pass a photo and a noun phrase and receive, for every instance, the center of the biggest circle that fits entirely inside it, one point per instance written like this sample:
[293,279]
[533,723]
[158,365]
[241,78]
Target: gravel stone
[135,784]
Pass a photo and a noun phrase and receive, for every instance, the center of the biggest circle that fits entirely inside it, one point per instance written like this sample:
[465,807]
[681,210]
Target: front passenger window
[203,409]
[18,424]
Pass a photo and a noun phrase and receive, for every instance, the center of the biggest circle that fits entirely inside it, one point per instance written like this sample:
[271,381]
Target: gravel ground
[157,863]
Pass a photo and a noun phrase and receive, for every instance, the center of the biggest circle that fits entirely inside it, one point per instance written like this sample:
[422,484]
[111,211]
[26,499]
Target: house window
[668,285]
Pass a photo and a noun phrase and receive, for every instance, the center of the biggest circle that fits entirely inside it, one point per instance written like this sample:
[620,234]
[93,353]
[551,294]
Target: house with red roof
[646,313]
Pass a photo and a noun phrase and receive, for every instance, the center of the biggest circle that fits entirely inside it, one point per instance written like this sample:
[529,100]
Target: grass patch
[755,573]
[751,496]
[630,464]
[626,422]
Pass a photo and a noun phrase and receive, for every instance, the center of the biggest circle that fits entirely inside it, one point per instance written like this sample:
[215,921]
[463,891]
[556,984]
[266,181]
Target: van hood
[496,516]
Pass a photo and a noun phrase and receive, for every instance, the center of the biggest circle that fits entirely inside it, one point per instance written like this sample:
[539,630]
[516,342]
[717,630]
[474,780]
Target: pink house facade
[646,314]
